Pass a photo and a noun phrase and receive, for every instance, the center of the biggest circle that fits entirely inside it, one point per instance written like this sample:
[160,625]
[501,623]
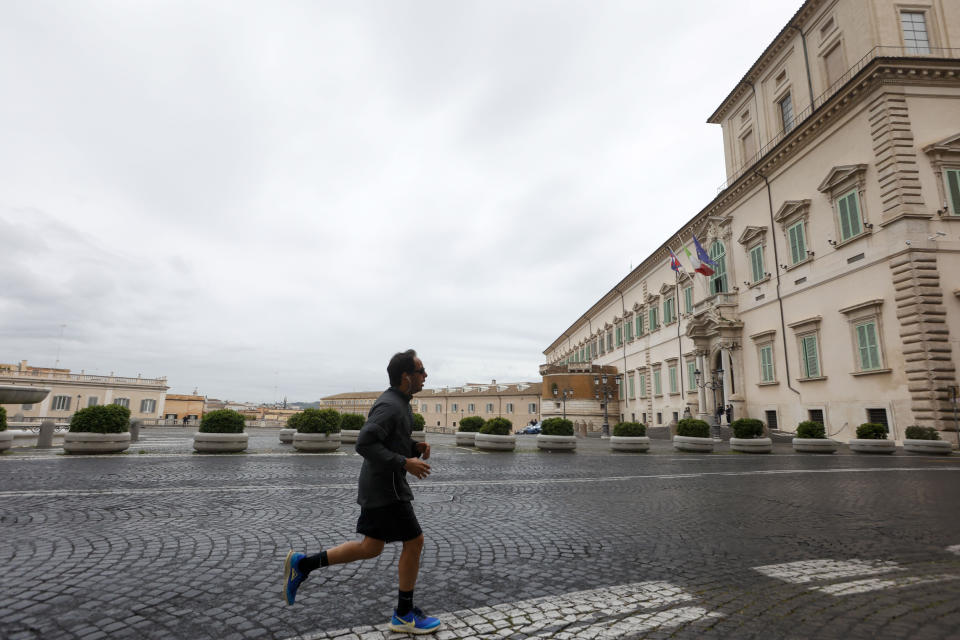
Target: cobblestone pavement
[162,543]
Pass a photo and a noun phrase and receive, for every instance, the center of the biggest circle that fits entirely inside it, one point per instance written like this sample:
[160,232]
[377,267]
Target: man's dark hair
[400,364]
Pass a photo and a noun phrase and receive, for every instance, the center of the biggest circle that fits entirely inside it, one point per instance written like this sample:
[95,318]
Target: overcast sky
[268,199]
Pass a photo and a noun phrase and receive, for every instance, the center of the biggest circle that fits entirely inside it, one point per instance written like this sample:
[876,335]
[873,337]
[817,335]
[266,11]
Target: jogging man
[386,515]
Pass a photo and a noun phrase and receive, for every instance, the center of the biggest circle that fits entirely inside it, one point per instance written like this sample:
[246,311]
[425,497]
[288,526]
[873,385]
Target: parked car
[533,429]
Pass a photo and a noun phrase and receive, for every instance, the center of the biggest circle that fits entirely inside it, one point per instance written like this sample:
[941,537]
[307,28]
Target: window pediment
[637,306]
[792,210]
[843,177]
[946,150]
[808,324]
[764,336]
[868,308]
[652,298]
[665,288]
[752,234]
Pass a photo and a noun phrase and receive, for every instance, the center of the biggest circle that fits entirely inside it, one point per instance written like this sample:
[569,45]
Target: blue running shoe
[292,577]
[414,622]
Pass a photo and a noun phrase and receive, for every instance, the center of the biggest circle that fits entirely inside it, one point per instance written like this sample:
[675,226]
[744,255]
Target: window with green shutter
[867,346]
[718,281]
[609,340]
[619,336]
[798,242]
[643,385]
[672,378]
[691,376]
[809,356]
[631,387]
[766,363]
[953,189]
[654,321]
[688,299]
[629,326]
[848,209]
[668,310]
[657,385]
[756,263]
[639,322]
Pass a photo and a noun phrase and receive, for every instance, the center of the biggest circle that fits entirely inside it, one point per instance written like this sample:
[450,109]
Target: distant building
[144,397]
[351,402]
[179,406]
[444,407]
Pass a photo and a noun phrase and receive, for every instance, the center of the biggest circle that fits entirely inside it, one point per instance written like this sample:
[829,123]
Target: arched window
[718,281]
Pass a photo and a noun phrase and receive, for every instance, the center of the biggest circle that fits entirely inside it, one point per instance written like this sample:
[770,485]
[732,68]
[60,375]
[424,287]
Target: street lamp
[566,393]
[604,392]
[714,383]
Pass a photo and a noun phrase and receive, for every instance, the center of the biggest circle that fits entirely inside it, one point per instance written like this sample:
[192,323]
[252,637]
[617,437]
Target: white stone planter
[419,436]
[751,445]
[96,442]
[936,447]
[6,440]
[556,443]
[863,445]
[696,445]
[349,436]
[316,442]
[286,435]
[466,438]
[490,442]
[220,442]
[815,445]
[634,444]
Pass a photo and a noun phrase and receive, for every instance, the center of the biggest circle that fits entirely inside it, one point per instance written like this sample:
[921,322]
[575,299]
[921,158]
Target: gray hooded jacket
[385,444]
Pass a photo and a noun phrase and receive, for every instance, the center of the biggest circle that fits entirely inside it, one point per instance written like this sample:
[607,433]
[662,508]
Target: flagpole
[676,298]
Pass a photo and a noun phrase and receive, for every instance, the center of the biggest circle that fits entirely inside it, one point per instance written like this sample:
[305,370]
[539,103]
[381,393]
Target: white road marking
[428,484]
[815,570]
[954,549]
[609,612]
[825,570]
[876,584]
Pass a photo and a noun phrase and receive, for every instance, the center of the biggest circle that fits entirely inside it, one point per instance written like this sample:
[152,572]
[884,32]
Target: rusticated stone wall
[926,338]
[896,156]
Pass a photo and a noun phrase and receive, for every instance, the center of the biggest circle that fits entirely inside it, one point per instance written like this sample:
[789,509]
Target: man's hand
[417,467]
[424,450]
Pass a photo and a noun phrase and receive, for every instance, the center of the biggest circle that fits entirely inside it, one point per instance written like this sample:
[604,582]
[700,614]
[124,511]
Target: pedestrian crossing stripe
[605,613]
[822,575]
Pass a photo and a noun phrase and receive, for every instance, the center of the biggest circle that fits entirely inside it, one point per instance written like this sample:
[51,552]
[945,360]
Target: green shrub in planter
[222,421]
[3,419]
[315,421]
[349,422]
[921,433]
[871,431]
[103,418]
[811,429]
[556,427]
[497,427]
[629,430]
[747,428]
[470,424]
[419,422]
[693,428]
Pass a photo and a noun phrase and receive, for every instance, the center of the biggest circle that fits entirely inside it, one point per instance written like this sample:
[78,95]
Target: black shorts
[392,523]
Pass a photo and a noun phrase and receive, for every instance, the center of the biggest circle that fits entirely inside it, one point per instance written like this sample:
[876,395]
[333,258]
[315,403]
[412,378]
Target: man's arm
[372,436]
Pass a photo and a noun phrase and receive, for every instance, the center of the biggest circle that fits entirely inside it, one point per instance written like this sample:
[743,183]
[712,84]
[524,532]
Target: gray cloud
[260,200]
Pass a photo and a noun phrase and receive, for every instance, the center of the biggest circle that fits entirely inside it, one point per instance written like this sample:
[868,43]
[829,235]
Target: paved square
[162,543]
